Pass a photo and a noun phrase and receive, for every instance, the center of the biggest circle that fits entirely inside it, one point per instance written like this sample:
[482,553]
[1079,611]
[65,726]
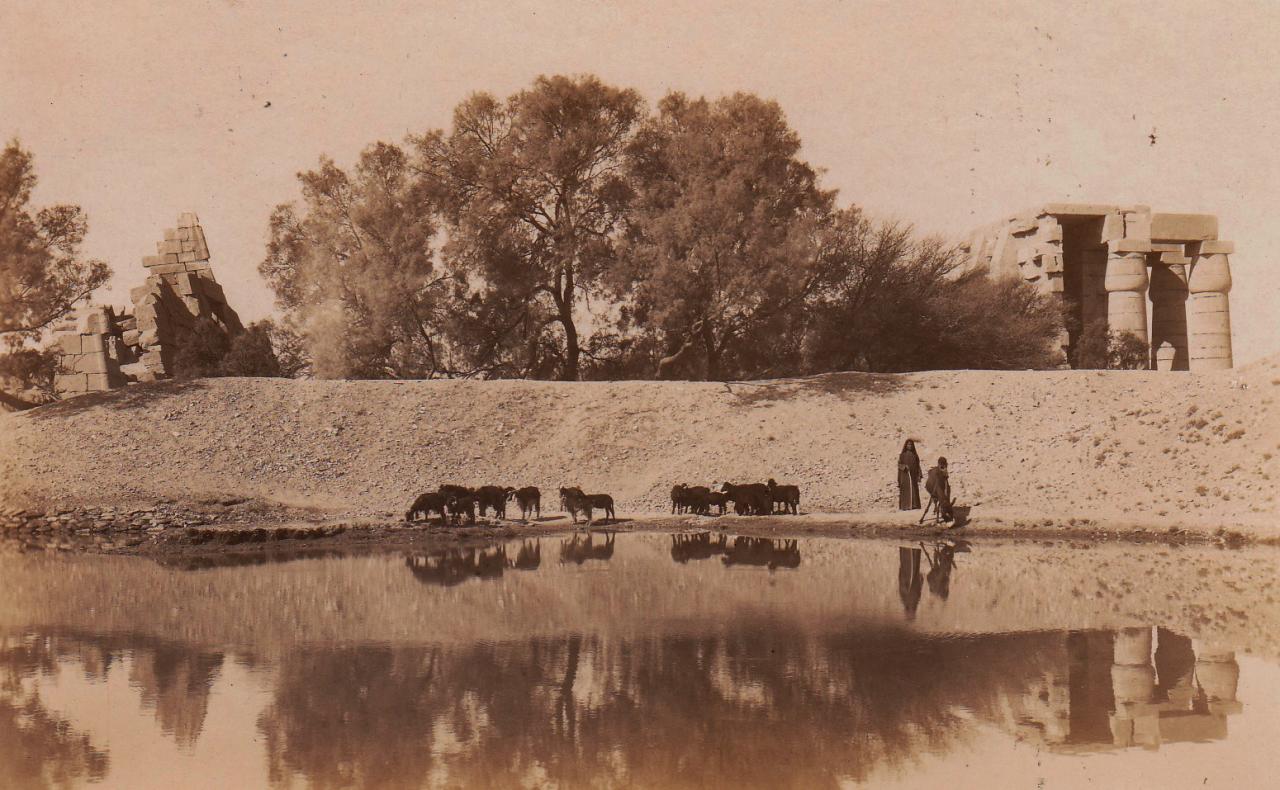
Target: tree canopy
[42,273]
[568,231]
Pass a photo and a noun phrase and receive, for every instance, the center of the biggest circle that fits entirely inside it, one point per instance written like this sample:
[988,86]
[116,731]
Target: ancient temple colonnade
[1164,278]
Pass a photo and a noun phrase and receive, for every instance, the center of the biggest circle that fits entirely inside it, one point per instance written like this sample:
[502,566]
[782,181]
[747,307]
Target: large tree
[726,230]
[891,301]
[42,273]
[534,193]
[354,269]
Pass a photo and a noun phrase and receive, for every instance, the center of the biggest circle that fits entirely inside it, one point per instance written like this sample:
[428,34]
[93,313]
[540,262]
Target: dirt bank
[1114,449]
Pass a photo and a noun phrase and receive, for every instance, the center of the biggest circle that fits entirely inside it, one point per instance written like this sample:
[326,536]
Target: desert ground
[1112,452]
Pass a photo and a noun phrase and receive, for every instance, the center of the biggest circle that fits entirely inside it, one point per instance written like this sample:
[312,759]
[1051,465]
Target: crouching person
[938,486]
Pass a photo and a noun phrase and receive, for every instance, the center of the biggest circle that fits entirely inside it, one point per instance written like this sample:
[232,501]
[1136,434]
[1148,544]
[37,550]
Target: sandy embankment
[1118,449]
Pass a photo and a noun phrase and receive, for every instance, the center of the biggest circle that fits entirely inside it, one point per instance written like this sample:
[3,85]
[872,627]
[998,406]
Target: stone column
[1126,283]
[1169,317]
[1208,312]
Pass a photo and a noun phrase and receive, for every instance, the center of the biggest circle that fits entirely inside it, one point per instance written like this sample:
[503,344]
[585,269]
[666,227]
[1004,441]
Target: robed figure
[908,477]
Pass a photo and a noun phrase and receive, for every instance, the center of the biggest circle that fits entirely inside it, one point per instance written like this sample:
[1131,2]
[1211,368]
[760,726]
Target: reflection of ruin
[1112,690]
[1163,277]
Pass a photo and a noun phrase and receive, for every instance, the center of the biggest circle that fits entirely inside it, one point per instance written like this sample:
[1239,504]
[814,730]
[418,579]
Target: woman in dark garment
[908,477]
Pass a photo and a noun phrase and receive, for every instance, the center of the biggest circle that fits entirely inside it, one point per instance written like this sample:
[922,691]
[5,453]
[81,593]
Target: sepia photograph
[621,394]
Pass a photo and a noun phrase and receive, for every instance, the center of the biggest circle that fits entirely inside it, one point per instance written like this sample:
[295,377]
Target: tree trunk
[712,352]
[572,351]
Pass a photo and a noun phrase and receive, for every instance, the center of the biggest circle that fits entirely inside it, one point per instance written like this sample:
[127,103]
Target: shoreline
[176,531]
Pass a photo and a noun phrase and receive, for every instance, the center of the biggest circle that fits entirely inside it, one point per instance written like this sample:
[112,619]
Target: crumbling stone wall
[101,349]
[1163,277]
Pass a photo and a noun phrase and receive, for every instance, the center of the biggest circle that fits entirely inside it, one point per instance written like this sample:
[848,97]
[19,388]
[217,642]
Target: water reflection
[578,549]
[39,748]
[448,567]
[584,710]
[655,702]
[762,552]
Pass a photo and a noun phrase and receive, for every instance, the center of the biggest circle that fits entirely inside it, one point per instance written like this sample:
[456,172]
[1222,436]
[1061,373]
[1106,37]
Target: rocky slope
[1193,450]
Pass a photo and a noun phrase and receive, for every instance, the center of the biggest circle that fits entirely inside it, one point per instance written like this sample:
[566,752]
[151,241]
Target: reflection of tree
[38,748]
[175,682]
[584,710]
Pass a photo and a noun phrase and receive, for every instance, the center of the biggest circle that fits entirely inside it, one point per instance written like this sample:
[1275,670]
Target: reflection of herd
[764,552]
[448,567]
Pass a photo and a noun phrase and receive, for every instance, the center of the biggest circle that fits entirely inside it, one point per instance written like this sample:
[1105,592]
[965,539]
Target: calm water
[642,660]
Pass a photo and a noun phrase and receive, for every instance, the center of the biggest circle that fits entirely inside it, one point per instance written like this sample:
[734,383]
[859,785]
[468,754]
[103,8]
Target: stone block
[148,337]
[172,247]
[1049,230]
[188,246]
[1112,227]
[96,323]
[71,383]
[91,344]
[70,343]
[153,260]
[91,363]
[152,361]
[187,256]
[137,294]
[170,234]
[1022,225]
[184,234]
[1215,247]
[171,257]
[1188,227]
[1168,246]
[188,219]
[96,382]
[127,323]
[169,268]
[1137,226]
[182,283]
[134,369]
[1129,245]
[1174,259]
[131,337]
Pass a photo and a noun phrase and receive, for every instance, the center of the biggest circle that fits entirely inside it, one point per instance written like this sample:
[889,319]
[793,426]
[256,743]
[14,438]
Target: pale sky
[946,114]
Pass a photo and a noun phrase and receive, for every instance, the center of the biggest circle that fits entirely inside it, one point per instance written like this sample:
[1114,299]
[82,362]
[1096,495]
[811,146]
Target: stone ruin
[1163,277]
[102,349]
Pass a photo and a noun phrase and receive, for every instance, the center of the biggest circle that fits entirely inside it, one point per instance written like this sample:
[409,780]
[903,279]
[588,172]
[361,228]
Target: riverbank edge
[232,527]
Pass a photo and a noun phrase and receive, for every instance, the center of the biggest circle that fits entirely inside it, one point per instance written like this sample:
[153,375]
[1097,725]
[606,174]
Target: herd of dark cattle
[453,503]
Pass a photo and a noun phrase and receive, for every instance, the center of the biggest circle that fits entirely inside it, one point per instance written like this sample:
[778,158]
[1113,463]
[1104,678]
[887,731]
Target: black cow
[786,495]
[529,499]
[425,504]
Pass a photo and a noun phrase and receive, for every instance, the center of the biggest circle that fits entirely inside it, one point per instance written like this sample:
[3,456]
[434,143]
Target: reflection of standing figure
[910,582]
[908,477]
[941,564]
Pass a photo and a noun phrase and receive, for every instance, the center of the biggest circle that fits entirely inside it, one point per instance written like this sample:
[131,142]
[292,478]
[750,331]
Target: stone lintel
[1174,259]
[1080,209]
[1187,227]
[1167,246]
[1216,247]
